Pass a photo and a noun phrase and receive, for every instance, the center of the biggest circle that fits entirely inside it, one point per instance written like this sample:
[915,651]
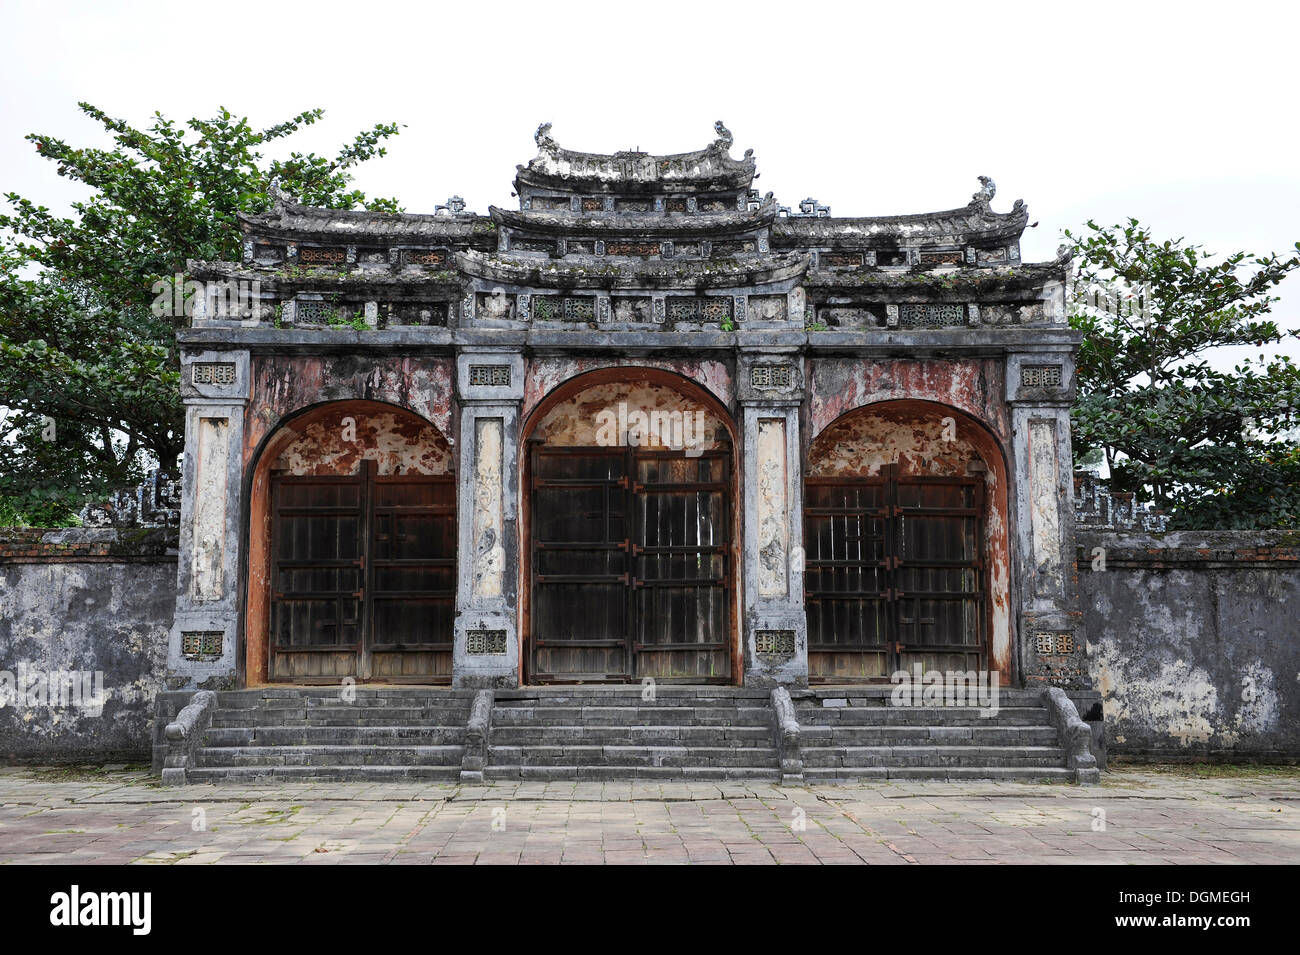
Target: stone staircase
[818,735]
[393,733]
[854,733]
[611,732]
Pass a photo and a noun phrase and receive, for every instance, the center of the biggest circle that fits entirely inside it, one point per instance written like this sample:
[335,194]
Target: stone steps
[319,733]
[611,732]
[383,735]
[588,772]
[648,734]
[919,716]
[393,755]
[593,732]
[901,756]
[368,719]
[652,715]
[1028,774]
[629,755]
[885,735]
[335,774]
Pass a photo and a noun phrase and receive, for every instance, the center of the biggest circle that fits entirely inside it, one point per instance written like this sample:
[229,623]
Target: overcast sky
[1181,114]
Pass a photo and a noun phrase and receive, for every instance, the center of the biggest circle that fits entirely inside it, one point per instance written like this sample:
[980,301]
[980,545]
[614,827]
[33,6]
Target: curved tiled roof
[976,221]
[631,171]
[292,219]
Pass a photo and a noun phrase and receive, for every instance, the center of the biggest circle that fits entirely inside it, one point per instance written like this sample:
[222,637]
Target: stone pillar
[775,624]
[201,650]
[1040,389]
[490,385]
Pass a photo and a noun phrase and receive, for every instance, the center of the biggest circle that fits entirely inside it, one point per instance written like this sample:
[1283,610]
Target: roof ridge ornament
[725,139]
[988,189]
[809,208]
[279,198]
[544,139]
[454,206]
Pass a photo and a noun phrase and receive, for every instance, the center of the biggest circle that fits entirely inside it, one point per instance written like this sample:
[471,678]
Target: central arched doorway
[630,544]
[352,553]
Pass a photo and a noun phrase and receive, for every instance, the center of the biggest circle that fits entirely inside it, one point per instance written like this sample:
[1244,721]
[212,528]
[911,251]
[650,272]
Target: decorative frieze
[438,258]
[682,309]
[489,376]
[485,642]
[774,643]
[1040,376]
[316,255]
[771,376]
[931,316]
[312,312]
[213,373]
[1053,643]
[624,247]
[839,260]
[201,643]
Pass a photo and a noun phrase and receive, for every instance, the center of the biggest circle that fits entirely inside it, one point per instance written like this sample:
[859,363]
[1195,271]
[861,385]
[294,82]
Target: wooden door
[894,575]
[362,578]
[630,565]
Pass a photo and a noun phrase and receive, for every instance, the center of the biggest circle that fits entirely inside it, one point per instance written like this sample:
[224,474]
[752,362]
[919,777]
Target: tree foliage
[79,344]
[1214,447]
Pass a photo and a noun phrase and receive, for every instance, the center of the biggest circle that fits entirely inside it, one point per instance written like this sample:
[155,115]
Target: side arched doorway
[629,506]
[352,556]
[905,537]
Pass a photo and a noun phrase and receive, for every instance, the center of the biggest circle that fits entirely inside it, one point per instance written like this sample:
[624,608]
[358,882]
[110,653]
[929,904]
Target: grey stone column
[775,624]
[201,649]
[490,385]
[1040,389]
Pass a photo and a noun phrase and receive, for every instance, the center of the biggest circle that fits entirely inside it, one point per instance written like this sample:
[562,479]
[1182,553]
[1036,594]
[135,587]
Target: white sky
[1181,114]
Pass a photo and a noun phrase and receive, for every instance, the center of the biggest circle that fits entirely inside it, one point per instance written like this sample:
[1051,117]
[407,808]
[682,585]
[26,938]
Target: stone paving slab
[1160,816]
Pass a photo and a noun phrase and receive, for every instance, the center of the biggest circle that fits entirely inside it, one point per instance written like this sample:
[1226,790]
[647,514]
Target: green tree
[79,345]
[1213,448]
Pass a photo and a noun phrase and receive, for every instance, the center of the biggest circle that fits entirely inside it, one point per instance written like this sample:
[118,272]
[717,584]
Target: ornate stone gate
[913,362]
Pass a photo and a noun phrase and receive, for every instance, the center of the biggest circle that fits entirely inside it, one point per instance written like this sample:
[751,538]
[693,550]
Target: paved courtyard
[1146,815]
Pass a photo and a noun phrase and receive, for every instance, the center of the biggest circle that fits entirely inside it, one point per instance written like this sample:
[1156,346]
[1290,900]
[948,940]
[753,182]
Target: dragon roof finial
[543,137]
[988,189]
[725,139]
[278,196]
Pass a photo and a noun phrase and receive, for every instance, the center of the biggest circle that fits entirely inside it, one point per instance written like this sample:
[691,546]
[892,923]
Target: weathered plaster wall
[87,600]
[341,436]
[1194,641]
[597,416]
[975,386]
[284,385]
[548,373]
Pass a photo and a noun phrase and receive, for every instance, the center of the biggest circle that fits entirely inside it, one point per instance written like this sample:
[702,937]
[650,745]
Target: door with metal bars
[630,565]
[363,577]
[894,575]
